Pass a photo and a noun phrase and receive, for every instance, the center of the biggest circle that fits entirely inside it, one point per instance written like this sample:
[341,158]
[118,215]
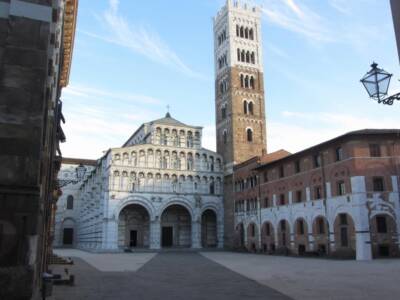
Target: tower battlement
[239,6]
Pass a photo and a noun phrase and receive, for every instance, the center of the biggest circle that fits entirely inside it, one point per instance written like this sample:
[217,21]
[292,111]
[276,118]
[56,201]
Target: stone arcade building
[337,198]
[160,189]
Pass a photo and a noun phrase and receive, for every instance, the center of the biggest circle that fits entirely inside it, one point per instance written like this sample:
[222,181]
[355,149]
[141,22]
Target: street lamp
[80,172]
[376,82]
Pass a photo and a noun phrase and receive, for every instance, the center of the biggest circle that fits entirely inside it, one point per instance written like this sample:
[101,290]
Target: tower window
[252,82]
[251,34]
[251,108]
[249,135]
[225,136]
[223,112]
[253,59]
[245,107]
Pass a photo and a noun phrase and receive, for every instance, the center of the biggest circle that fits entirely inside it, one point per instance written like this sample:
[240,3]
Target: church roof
[168,120]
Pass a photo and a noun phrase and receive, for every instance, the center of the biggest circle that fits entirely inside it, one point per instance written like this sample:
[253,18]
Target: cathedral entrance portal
[134,227]
[176,227]
[167,236]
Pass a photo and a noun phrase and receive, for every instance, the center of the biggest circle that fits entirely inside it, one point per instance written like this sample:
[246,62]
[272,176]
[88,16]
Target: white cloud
[343,6]
[98,119]
[140,40]
[297,17]
[209,137]
[93,92]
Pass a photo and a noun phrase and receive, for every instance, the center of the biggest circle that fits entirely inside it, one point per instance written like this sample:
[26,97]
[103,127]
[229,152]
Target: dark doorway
[133,238]
[321,249]
[383,250]
[167,236]
[302,249]
[68,237]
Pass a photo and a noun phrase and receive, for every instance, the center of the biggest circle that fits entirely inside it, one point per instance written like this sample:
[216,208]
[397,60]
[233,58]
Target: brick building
[36,42]
[338,198]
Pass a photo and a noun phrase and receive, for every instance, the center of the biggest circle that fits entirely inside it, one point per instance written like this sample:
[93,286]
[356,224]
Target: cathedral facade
[160,189]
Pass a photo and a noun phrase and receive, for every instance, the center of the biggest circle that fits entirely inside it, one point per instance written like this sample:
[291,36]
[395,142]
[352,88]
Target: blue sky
[133,58]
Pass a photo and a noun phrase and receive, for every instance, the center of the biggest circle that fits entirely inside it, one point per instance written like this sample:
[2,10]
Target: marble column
[155,234]
[196,234]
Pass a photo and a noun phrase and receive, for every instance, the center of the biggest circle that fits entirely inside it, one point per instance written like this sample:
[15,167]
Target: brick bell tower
[239,83]
[239,93]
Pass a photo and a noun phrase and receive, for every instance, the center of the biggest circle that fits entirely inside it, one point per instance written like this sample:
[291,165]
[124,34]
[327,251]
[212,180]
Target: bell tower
[239,94]
[239,83]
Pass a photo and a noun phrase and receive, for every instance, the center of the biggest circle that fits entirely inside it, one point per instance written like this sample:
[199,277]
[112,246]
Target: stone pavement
[169,275]
[109,262]
[312,278]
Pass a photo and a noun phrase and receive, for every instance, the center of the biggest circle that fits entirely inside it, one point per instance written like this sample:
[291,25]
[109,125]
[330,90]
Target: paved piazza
[225,275]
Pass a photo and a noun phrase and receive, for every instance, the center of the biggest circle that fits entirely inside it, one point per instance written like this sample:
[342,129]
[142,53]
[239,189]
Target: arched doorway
[384,236]
[320,231]
[209,229]
[134,227]
[176,227]
[301,236]
[268,238]
[68,232]
[252,237]
[345,237]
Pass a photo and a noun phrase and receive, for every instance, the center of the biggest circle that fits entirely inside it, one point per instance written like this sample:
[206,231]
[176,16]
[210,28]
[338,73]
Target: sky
[134,58]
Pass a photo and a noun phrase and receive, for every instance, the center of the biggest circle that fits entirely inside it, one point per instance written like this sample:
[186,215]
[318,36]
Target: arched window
[70,202]
[237,30]
[245,107]
[241,80]
[221,87]
[252,82]
[246,33]
[238,54]
[248,56]
[189,139]
[212,187]
[251,34]
[223,111]
[253,59]
[251,112]
[241,31]
[243,56]
[249,135]
[225,136]
[246,81]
